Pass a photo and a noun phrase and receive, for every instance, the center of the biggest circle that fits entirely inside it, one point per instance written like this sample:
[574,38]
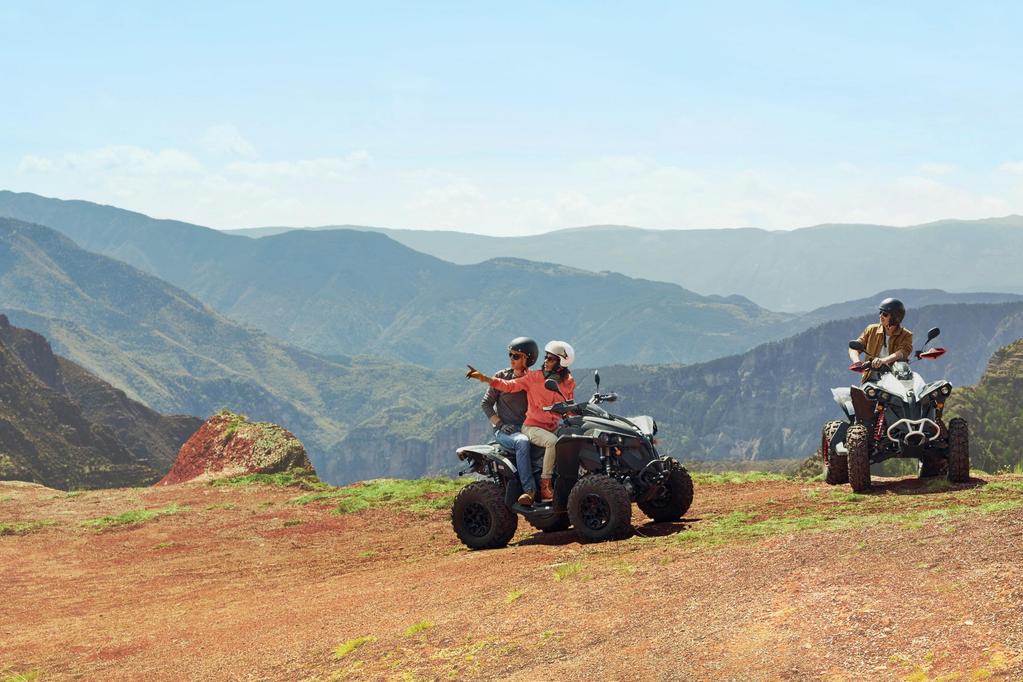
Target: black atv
[898,415]
[604,462]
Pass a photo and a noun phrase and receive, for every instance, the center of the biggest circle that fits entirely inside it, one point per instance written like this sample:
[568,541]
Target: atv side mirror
[552,385]
[932,334]
[857,346]
[596,378]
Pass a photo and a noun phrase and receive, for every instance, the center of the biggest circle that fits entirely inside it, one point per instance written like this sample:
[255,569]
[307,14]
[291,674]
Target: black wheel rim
[596,512]
[477,520]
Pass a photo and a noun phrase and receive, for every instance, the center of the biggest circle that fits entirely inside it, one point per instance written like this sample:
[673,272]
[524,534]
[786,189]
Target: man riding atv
[507,411]
[885,342]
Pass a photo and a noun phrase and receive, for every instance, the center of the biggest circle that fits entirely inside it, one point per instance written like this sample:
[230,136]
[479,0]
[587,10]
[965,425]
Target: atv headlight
[871,392]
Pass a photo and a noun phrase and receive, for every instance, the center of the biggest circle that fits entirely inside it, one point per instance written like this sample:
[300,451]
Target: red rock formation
[229,445]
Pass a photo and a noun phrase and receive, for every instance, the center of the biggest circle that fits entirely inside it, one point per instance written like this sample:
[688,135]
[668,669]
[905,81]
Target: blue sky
[511,119]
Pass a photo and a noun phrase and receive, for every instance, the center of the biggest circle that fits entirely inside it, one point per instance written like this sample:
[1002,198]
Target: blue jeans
[523,462]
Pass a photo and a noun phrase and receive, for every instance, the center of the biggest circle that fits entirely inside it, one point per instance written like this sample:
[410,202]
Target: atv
[896,415]
[604,463]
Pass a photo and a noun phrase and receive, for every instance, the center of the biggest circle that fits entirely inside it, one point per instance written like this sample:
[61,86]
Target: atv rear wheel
[858,458]
[958,451]
[480,518]
[550,524]
[675,500]
[600,509]
[836,469]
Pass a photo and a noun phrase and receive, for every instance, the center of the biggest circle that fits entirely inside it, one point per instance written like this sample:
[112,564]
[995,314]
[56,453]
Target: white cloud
[329,168]
[228,141]
[225,191]
[937,168]
[1014,167]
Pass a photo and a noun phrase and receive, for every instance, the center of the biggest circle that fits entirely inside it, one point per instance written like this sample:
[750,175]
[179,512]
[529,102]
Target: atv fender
[491,452]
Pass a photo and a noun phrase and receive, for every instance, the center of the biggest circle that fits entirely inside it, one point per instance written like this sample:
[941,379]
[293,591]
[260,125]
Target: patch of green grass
[366,554]
[163,545]
[735,477]
[565,571]
[23,527]
[133,517]
[739,525]
[29,676]
[424,494]
[6,498]
[417,628]
[627,569]
[513,596]
[305,479]
[220,505]
[292,522]
[351,645]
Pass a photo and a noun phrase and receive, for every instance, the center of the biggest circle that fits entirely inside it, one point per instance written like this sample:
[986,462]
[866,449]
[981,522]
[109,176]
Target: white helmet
[563,350]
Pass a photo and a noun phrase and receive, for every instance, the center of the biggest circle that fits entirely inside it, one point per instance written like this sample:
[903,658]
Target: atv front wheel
[675,499]
[480,518]
[836,470]
[600,509]
[858,457]
[958,451]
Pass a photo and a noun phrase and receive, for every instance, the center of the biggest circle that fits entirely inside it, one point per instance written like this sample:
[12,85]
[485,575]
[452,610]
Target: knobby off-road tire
[552,524]
[600,509]
[480,518]
[858,464]
[958,451]
[836,469]
[675,500]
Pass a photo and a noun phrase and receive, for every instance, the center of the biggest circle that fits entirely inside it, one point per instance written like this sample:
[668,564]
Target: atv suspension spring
[880,424]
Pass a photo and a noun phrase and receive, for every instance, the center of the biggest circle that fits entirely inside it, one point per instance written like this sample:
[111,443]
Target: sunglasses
[549,358]
[884,313]
[517,356]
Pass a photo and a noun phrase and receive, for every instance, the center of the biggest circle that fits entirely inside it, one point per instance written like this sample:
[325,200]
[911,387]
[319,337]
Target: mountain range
[173,353]
[783,270]
[345,292]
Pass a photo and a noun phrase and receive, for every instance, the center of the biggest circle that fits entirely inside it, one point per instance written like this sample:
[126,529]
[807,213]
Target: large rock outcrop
[227,444]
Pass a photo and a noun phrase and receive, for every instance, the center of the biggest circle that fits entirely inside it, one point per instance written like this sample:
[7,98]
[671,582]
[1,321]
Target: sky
[517,118]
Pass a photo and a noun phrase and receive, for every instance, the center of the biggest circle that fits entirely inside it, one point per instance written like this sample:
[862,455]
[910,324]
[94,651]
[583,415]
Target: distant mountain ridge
[348,292]
[784,270]
[64,428]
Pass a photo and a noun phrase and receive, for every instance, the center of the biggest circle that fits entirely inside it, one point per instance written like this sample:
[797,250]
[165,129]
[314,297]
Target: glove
[508,428]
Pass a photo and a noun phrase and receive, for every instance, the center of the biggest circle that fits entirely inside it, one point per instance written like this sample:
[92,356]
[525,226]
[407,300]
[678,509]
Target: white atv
[896,415]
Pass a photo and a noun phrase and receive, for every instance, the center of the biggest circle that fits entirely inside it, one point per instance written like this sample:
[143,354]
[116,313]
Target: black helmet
[524,344]
[893,307]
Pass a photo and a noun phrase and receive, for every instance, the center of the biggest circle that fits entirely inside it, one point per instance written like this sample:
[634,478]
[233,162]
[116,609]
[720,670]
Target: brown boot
[546,490]
[526,499]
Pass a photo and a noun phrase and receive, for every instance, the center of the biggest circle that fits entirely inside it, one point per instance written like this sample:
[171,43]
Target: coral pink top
[537,397]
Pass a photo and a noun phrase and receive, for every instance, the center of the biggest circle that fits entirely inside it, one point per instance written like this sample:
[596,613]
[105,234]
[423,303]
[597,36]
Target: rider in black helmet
[887,341]
[507,411]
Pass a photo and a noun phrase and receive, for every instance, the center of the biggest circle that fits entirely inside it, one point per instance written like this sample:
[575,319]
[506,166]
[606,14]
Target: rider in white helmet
[539,425]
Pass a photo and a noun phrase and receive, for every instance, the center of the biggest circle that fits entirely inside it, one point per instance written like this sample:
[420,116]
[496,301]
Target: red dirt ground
[246,585]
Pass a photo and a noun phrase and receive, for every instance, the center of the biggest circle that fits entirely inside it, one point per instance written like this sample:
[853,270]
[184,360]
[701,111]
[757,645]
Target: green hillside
[993,409]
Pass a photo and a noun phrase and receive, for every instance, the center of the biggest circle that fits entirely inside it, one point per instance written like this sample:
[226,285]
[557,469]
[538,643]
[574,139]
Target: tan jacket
[872,339]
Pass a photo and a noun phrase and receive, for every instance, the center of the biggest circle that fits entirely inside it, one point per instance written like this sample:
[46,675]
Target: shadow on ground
[920,486]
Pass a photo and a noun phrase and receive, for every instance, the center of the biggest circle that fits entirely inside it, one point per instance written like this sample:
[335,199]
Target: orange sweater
[537,397]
